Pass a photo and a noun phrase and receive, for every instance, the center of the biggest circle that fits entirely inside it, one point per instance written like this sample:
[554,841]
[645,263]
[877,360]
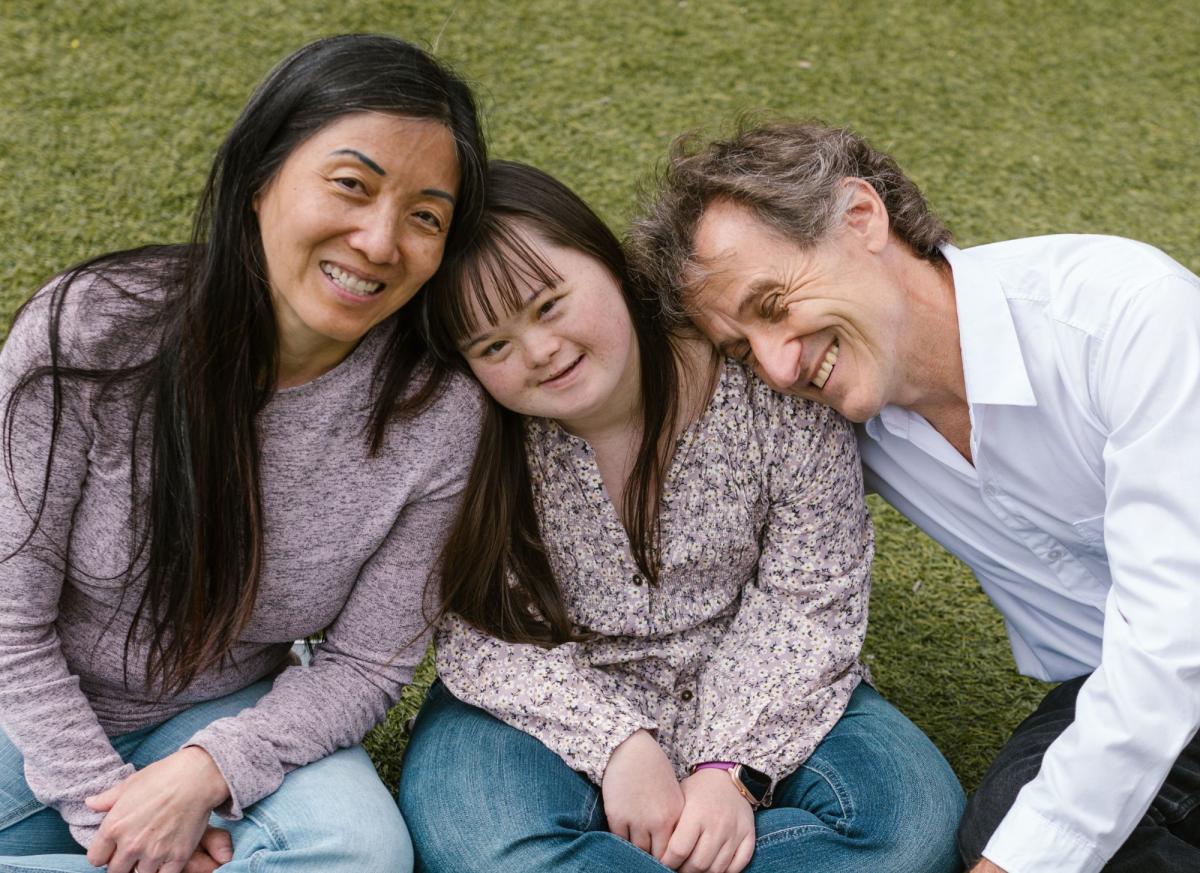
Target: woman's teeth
[353,284]
[826,367]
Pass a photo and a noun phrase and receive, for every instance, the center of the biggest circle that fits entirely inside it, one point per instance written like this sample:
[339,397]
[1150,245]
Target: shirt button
[1054,554]
[637,579]
[990,491]
[685,695]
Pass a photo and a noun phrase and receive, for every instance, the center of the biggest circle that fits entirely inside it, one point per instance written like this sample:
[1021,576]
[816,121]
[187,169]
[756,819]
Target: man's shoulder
[1078,280]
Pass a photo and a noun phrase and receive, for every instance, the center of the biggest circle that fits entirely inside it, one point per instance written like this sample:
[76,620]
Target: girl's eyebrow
[537,292]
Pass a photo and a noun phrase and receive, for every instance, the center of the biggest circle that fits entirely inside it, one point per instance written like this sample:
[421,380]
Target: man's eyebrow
[462,347]
[370,163]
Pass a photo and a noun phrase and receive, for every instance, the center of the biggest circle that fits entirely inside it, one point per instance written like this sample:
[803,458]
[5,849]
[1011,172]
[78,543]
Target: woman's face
[352,225]
[570,353]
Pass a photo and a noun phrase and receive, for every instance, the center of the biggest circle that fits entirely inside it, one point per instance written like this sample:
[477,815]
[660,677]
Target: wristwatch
[754,785]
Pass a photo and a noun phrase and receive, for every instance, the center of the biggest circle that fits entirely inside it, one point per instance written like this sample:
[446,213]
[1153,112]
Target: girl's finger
[744,853]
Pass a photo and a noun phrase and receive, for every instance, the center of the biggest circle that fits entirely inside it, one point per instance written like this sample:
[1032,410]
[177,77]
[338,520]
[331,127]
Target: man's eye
[772,307]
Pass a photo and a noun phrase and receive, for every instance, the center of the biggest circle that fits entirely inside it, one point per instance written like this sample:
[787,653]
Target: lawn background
[1016,118]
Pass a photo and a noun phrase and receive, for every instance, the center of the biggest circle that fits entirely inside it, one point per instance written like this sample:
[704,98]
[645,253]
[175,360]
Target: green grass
[1016,119]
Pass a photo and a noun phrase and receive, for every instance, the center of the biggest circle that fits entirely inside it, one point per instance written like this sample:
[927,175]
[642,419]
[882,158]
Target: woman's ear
[865,214]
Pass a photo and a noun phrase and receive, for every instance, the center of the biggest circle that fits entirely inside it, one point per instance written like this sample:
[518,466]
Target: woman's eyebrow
[370,163]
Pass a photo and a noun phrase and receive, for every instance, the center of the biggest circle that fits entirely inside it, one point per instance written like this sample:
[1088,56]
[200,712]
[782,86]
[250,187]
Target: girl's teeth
[351,283]
[826,367]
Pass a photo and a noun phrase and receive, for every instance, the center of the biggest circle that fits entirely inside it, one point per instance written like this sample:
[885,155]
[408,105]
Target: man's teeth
[351,283]
[826,367]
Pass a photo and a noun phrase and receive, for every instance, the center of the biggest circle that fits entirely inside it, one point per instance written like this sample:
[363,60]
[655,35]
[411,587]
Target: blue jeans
[331,815]
[479,795]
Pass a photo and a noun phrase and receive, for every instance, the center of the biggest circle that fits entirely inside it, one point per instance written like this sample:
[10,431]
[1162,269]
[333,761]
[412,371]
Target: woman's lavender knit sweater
[349,542]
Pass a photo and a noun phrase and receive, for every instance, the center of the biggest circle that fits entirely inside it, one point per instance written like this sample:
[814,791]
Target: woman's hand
[715,833]
[155,819]
[642,800]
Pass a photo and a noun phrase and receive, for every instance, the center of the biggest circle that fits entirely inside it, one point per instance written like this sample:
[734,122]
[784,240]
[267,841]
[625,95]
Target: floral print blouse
[747,648]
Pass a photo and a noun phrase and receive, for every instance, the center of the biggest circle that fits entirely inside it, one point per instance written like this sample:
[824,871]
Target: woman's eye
[431,219]
[349,183]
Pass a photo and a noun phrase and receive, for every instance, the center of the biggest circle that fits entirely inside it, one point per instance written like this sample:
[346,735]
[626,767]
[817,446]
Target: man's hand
[642,800]
[155,820]
[715,834]
[986,866]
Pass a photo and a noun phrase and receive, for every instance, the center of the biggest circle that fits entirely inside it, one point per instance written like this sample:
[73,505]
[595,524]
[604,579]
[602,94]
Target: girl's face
[353,224]
[569,353]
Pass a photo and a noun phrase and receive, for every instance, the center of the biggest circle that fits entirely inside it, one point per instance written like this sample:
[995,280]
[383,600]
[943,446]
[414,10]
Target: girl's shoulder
[766,409]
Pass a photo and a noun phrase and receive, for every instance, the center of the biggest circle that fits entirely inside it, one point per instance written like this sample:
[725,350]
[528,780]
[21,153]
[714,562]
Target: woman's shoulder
[103,313]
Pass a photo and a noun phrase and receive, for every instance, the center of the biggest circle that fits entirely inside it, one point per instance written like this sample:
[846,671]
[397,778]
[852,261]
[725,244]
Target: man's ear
[866,217]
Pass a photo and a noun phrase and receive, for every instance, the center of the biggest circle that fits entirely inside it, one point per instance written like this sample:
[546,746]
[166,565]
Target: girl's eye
[545,308]
[493,349]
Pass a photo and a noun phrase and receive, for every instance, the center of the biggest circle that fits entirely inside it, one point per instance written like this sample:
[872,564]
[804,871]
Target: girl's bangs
[496,277]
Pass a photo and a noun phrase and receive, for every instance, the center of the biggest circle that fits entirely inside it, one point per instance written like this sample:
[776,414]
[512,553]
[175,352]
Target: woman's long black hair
[495,571]
[213,347]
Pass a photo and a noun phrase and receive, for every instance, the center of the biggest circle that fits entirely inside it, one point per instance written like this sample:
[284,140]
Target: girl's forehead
[511,267]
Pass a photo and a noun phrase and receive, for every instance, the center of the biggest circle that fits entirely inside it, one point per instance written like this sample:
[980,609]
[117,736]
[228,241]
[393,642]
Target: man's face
[822,323]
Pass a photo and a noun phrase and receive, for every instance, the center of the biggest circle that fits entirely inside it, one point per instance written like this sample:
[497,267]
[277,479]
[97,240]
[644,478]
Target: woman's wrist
[208,779]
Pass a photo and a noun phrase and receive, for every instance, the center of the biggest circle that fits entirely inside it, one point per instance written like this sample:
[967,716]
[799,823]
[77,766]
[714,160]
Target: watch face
[756,782]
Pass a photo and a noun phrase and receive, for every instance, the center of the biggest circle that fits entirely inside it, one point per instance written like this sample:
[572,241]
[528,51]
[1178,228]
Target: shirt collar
[993,367]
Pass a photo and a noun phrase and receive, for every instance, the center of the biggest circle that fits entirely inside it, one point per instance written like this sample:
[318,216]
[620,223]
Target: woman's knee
[332,814]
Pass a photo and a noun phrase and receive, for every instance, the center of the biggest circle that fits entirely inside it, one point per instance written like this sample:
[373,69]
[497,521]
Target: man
[1034,406]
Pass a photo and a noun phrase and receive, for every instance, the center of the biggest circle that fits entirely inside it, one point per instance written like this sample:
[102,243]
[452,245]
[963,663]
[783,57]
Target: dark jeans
[1167,839]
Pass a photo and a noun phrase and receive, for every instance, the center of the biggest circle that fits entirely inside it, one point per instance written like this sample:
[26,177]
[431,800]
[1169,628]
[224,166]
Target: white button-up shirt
[1080,516]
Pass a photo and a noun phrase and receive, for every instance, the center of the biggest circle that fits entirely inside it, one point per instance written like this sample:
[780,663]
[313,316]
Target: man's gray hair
[790,176]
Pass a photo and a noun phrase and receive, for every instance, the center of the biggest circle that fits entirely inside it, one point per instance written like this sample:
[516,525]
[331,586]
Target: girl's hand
[642,800]
[715,833]
[155,819]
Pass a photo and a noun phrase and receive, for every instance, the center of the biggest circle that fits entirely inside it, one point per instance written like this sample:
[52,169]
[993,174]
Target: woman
[656,593]
[215,449]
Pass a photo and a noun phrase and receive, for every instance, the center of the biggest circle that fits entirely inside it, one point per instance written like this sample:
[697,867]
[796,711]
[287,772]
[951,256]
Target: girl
[655,595]
[212,450]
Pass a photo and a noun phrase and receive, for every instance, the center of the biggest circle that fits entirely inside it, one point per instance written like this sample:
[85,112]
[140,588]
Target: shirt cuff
[1028,842]
[247,767]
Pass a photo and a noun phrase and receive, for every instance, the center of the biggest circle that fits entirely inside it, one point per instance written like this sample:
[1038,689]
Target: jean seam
[273,832]
[21,812]
[844,798]
[784,834]
[5,867]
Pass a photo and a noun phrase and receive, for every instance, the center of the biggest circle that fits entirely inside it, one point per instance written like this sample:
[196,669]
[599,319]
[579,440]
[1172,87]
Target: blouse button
[637,579]
[685,695]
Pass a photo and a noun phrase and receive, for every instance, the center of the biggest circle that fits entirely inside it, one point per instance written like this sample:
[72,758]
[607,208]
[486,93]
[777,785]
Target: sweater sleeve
[782,674]
[42,709]
[575,710]
[369,652]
